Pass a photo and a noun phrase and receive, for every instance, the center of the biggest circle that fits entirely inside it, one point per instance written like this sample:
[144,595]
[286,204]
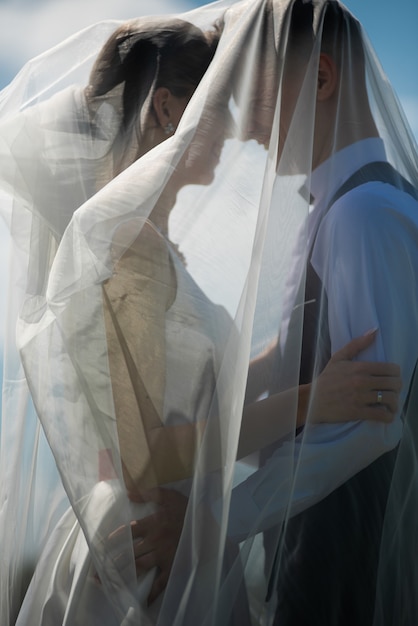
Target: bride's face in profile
[259,110]
[264,104]
[255,89]
[204,152]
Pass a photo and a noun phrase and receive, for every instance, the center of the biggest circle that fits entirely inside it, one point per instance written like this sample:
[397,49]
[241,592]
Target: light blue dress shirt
[366,254]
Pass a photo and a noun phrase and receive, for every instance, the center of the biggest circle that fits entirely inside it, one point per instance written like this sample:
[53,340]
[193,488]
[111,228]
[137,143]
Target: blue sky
[28,27]
[392,27]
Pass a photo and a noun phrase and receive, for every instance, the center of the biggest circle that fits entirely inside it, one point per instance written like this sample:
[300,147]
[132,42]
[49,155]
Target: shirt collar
[328,177]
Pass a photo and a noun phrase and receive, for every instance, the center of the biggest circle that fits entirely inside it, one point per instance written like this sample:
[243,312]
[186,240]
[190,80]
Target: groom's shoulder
[374,204]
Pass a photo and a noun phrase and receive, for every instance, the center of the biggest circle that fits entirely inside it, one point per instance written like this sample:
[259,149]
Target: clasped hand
[155,538]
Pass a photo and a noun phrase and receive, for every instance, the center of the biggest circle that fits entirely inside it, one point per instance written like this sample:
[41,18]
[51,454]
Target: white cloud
[29,28]
[410,107]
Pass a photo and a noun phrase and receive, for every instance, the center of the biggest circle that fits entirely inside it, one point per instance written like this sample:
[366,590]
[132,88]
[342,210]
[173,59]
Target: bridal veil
[117,378]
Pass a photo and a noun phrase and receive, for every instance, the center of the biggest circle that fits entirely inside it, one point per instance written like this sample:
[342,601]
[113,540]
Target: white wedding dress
[65,588]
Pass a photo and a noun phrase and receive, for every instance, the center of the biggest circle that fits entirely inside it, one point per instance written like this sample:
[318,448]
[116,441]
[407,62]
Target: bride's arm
[136,300]
[344,388]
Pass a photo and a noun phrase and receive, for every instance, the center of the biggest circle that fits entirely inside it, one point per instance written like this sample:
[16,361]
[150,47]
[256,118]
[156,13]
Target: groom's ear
[327,77]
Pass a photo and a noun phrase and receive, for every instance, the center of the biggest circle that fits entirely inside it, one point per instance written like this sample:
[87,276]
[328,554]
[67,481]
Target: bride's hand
[350,390]
[156,537]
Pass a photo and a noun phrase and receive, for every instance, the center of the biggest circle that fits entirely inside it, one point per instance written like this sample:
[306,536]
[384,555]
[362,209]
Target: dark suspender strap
[313,337]
[378,171]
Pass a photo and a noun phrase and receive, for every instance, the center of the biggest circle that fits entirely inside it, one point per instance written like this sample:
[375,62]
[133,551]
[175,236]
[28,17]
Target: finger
[379,368]
[117,533]
[376,413]
[142,527]
[357,384]
[136,496]
[158,586]
[140,548]
[389,399]
[146,495]
[367,403]
[145,562]
[351,349]
[363,381]
[123,561]
[387,383]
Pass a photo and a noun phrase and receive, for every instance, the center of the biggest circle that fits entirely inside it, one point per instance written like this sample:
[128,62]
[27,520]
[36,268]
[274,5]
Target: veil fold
[143,297]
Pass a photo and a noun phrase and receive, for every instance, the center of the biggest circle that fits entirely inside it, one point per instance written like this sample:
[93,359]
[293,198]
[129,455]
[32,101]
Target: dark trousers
[328,569]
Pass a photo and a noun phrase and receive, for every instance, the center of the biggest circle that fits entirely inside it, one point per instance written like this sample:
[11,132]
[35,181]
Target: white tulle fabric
[122,337]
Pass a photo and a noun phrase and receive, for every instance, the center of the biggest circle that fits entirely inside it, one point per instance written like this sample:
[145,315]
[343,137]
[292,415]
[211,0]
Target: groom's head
[323,46]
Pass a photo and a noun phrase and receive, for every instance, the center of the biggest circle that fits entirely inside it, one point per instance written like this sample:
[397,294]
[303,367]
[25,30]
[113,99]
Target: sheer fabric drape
[135,344]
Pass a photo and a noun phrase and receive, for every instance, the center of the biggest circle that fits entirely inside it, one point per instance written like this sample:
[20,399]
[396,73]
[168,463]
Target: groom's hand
[349,390]
[156,537]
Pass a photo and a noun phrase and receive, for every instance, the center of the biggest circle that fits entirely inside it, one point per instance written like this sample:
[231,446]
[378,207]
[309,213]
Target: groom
[361,269]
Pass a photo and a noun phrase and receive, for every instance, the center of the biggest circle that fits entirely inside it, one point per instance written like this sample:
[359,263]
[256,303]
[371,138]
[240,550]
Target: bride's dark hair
[143,55]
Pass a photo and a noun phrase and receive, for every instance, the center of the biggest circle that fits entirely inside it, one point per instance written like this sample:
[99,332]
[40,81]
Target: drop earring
[169,128]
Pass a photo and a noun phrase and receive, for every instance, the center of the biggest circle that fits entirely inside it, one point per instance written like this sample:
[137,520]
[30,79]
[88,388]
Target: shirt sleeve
[366,255]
